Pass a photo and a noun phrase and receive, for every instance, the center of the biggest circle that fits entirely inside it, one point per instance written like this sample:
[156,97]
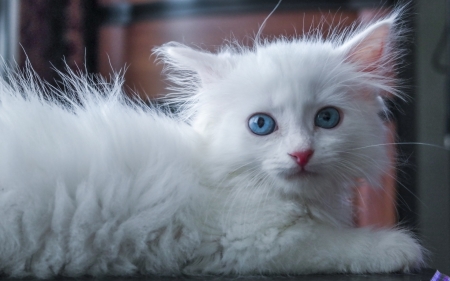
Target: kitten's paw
[395,250]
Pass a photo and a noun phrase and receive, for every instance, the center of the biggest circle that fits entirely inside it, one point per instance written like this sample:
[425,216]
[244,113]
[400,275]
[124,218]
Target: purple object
[440,277]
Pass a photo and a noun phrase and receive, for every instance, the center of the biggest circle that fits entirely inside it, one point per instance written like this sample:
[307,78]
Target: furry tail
[87,177]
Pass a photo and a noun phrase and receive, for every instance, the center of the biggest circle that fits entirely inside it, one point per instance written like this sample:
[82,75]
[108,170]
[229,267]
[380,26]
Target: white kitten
[258,180]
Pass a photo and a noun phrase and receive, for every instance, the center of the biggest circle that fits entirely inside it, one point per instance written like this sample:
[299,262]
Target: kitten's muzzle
[302,157]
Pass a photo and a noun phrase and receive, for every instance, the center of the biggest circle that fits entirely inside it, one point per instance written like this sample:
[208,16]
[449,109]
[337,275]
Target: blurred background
[106,36]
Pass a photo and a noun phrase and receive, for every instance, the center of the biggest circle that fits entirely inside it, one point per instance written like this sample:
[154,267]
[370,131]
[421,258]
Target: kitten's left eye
[261,124]
[327,118]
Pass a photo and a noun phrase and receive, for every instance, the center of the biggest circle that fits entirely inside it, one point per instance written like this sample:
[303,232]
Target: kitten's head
[290,112]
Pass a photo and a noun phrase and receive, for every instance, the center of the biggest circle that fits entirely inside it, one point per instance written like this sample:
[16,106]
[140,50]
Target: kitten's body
[113,188]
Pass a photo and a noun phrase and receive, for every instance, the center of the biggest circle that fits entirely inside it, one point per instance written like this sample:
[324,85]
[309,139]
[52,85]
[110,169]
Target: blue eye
[327,118]
[261,124]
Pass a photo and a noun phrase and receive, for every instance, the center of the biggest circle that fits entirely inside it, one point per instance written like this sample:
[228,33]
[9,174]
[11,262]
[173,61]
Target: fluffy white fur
[98,185]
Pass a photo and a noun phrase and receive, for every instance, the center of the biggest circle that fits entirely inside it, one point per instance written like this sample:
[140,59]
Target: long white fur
[92,183]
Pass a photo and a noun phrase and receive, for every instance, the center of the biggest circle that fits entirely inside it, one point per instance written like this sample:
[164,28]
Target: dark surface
[425,275]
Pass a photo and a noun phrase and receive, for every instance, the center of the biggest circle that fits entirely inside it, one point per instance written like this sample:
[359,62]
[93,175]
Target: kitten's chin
[302,176]
[298,173]
[298,183]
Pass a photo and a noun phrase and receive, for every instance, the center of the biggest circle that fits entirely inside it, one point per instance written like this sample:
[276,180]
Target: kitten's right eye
[261,124]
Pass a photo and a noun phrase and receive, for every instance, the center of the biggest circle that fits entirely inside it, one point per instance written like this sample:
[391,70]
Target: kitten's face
[298,115]
[292,115]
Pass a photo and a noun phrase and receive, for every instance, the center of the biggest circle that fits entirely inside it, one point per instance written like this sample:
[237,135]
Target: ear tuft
[368,48]
[207,66]
[372,52]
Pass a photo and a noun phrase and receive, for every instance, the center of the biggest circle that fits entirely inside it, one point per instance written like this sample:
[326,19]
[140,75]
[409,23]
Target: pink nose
[302,157]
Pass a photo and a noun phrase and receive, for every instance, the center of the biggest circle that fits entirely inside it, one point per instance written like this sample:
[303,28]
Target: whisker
[402,143]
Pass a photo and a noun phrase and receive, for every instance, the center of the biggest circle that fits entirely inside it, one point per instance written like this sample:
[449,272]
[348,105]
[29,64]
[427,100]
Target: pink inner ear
[367,49]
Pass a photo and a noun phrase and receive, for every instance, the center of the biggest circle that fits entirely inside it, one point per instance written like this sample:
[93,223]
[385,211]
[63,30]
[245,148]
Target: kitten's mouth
[299,173]
[305,173]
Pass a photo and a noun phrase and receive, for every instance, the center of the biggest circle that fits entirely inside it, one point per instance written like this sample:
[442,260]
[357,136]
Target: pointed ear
[367,48]
[209,67]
